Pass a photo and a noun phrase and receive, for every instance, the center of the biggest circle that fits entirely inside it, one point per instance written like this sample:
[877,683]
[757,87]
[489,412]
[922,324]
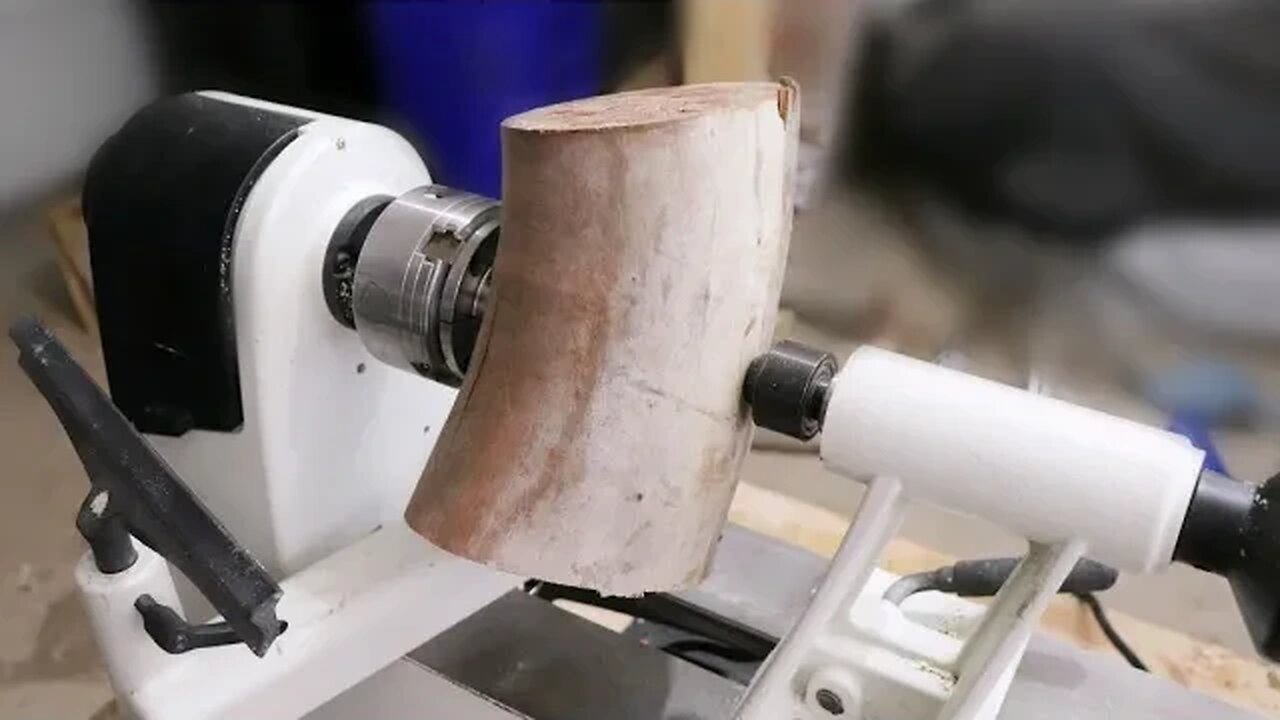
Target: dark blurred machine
[1075,119]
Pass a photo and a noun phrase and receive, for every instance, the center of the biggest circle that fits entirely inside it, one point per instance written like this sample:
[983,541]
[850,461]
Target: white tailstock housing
[1072,481]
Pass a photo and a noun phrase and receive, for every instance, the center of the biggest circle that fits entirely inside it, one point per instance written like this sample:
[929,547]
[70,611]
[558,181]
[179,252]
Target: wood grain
[597,439]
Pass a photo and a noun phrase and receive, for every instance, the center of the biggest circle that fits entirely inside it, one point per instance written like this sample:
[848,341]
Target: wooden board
[71,247]
[813,41]
[724,40]
[598,437]
[1244,682]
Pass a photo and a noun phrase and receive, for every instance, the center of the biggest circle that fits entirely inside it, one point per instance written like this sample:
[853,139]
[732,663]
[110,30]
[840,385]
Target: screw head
[829,701]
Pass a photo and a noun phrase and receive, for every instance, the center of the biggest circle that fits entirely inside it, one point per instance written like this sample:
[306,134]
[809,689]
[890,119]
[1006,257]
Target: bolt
[829,701]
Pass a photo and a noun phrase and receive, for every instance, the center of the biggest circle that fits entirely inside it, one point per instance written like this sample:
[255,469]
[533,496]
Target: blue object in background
[454,70]
[1198,432]
[1215,392]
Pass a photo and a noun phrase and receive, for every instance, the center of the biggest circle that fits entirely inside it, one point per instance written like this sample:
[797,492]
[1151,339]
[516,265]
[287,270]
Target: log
[597,438]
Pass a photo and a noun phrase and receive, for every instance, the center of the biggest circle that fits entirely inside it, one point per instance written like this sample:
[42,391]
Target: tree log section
[598,436]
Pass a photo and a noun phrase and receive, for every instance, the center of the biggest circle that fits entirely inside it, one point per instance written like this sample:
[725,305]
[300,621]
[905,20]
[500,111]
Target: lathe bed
[523,657]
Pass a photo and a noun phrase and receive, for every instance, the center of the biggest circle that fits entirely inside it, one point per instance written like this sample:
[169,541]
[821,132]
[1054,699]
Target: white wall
[70,72]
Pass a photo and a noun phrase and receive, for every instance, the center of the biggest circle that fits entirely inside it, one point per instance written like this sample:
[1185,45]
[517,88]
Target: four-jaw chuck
[411,274]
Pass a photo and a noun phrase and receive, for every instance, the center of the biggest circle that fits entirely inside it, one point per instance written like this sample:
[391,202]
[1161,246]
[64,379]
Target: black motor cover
[161,201]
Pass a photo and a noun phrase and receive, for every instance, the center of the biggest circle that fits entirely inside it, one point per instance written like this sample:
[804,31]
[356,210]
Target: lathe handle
[131,481]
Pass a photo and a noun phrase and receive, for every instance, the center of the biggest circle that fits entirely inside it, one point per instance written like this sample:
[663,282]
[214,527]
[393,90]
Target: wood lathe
[287,304]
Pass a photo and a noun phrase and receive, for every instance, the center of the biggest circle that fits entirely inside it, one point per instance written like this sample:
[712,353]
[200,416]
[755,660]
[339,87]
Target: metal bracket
[855,654]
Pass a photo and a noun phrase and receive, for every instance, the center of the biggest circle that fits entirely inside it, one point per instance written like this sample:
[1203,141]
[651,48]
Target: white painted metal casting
[315,481]
[1070,480]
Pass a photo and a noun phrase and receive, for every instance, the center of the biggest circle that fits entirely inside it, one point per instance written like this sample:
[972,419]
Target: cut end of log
[652,106]
[788,93]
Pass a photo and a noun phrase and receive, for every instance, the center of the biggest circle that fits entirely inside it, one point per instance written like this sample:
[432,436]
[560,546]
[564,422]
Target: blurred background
[1079,195]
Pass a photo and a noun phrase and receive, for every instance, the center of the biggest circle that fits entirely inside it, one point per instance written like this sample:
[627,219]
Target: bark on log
[598,437]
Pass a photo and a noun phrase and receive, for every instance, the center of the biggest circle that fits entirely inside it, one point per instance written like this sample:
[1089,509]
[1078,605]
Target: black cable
[705,665]
[666,610]
[908,585]
[980,578]
[690,649]
[731,641]
[682,648]
[985,577]
[1100,616]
